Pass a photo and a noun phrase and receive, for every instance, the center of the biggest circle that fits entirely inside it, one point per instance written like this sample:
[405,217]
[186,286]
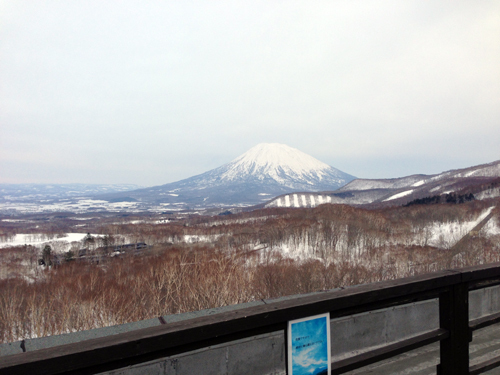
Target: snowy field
[78,206]
[59,244]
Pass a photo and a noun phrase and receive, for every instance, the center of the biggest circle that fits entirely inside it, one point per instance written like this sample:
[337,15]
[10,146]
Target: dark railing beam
[484,321]
[484,366]
[388,351]
[454,317]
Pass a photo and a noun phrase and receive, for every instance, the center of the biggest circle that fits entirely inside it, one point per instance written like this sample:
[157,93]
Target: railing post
[454,317]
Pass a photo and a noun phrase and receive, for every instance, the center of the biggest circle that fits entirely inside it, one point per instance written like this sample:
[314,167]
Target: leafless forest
[199,262]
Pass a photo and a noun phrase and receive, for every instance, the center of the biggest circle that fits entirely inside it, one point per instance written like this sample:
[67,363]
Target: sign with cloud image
[309,345]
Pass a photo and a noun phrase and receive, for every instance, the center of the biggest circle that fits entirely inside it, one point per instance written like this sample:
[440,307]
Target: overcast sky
[151,92]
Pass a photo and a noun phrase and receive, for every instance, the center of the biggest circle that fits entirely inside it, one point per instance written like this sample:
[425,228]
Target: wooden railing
[451,287]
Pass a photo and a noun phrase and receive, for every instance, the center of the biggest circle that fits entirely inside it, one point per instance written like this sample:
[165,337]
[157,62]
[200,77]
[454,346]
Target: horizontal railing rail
[388,351]
[484,321]
[451,287]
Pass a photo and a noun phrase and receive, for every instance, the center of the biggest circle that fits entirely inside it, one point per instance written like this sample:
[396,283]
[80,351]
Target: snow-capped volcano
[279,162]
[264,171]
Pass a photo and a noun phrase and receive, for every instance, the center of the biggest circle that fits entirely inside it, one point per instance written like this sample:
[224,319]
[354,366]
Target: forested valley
[191,262]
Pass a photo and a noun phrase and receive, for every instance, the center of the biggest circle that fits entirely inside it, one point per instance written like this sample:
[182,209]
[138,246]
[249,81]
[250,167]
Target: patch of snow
[399,195]
[163,221]
[492,227]
[419,183]
[491,170]
[189,238]
[39,239]
[484,214]
[440,176]
[313,202]
[369,184]
[287,201]
[447,234]
[489,193]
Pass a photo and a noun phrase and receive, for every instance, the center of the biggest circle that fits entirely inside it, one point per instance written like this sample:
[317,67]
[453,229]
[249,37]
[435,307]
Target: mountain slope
[264,171]
[480,180]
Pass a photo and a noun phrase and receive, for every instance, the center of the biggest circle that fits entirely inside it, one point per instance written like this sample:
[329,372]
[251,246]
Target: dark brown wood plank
[482,272]
[454,317]
[390,302]
[481,284]
[485,321]
[388,351]
[484,366]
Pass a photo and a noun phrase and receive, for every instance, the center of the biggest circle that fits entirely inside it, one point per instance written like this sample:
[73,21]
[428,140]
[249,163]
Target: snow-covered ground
[80,206]
[490,193]
[77,206]
[447,234]
[492,227]
[395,183]
[300,200]
[399,195]
[300,252]
[190,238]
[63,243]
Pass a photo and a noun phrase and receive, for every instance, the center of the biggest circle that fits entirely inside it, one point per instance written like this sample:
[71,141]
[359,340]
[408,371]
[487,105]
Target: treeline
[444,198]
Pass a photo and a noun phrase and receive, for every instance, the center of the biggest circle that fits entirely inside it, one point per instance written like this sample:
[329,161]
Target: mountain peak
[273,160]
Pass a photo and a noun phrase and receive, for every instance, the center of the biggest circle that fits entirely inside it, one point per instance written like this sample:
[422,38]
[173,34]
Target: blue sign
[309,346]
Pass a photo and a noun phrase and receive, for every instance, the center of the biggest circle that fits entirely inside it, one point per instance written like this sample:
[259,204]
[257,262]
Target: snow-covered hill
[393,183]
[263,172]
[480,180]
[481,171]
